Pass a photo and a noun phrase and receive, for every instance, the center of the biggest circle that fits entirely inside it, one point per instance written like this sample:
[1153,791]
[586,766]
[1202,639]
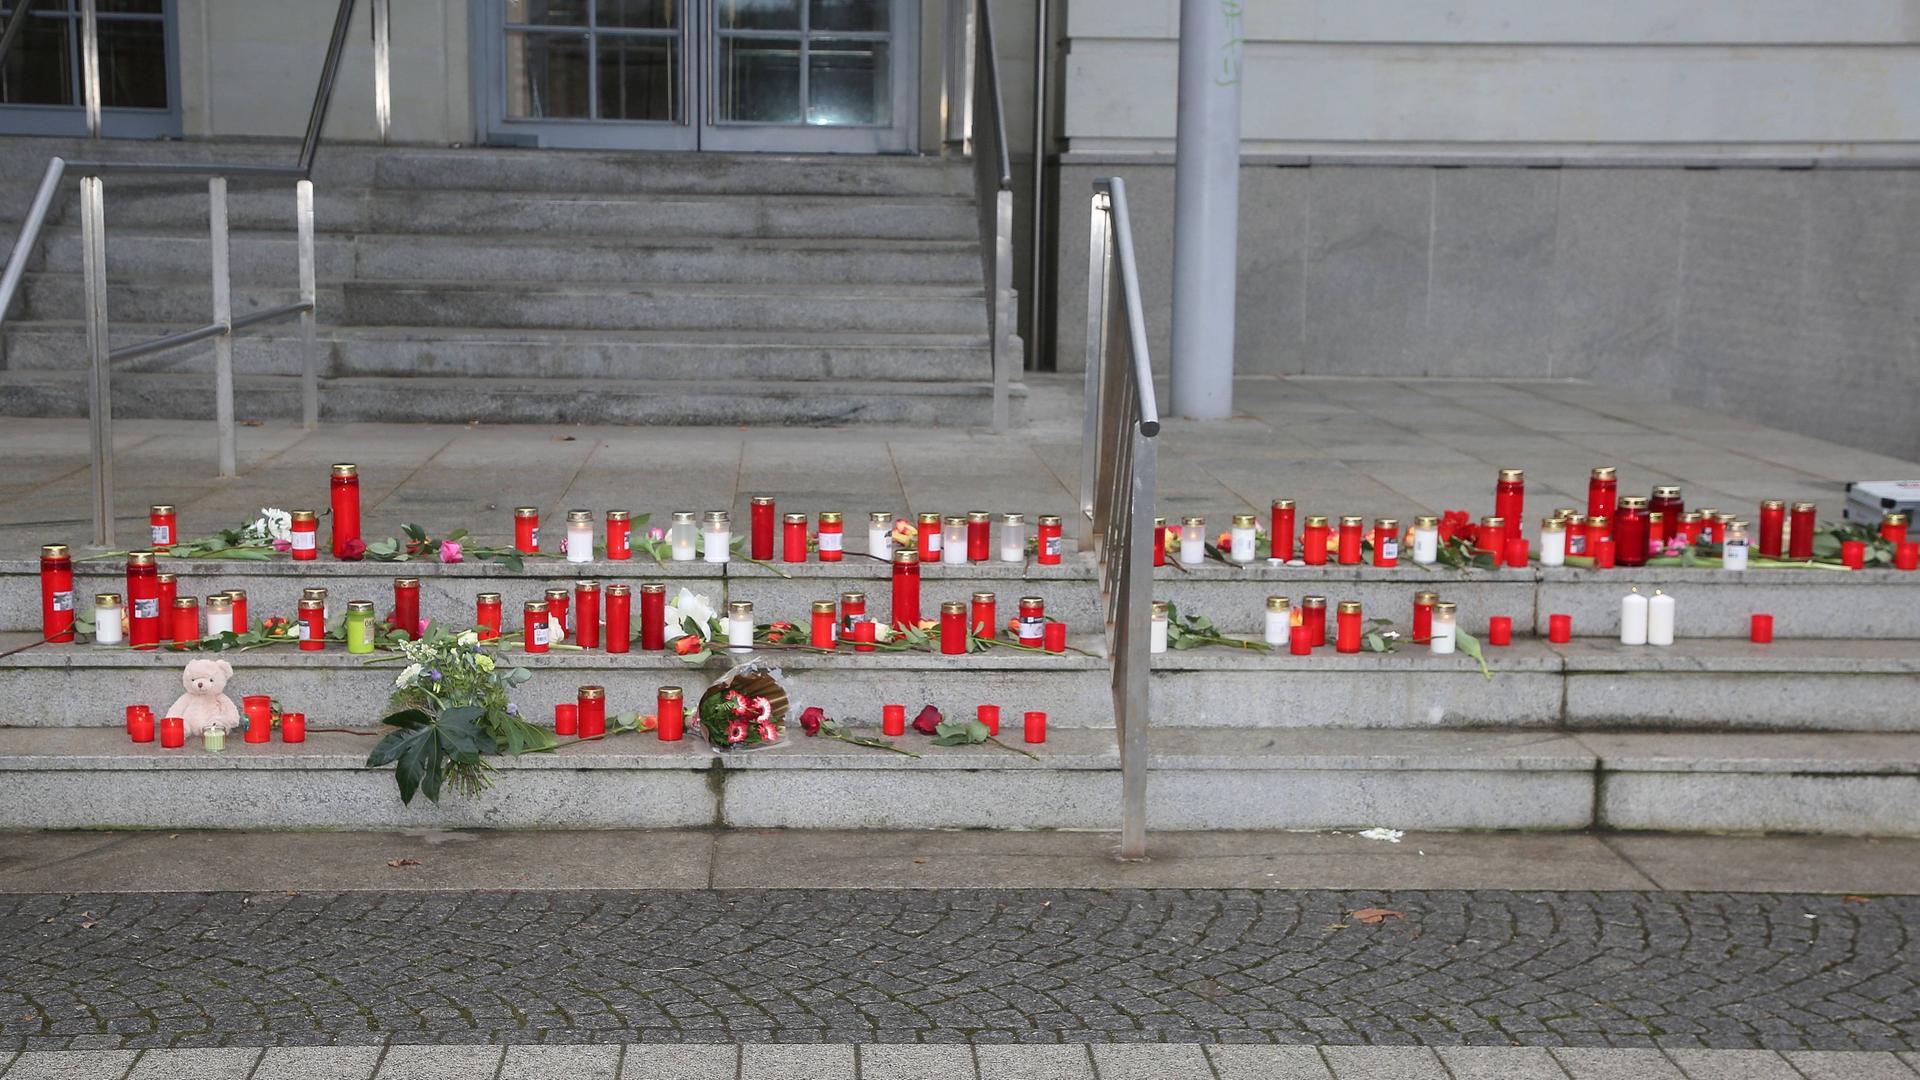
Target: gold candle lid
[1054,519]
[365,606]
[1160,522]
[557,594]
[1031,602]
[1898,517]
[526,511]
[592,693]
[929,519]
[54,551]
[619,589]
[671,693]
[536,607]
[1598,521]
[315,592]
[586,586]
[952,607]
[823,607]
[955,519]
[238,596]
[166,579]
[1666,492]
[979,516]
[1511,476]
[1387,525]
[983,598]
[488,598]
[1709,513]
[906,557]
[857,599]
[134,558]
[652,588]
[1348,521]
[881,518]
[1576,519]
[304,516]
[688,517]
[1313,601]
[1806,506]
[1013,519]
[740,609]
[406,583]
[579,517]
[1723,519]
[793,519]
[1425,521]
[1493,521]
[1739,524]
[1553,524]
[619,515]
[1773,504]
[1349,607]
[1445,607]
[1193,522]
[106,599]
[160,508]
[1604,472]
[1633,502]
[1316,521]
[1283,504]
[830,517]
[219,602]
[310,604]
[1425,599]
[721,517]
[1160,608]
[762,500]
[1657,515]
[344,470]
[1278,603]
[1243,521]
[1690,516]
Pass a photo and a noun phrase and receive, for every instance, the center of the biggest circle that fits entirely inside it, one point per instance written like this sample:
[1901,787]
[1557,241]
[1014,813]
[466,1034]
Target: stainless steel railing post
[93,263]
[309,351]
[382,68]
[90,64]
[222,316]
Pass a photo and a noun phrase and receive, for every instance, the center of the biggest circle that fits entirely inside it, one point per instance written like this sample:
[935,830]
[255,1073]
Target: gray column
[1206,208]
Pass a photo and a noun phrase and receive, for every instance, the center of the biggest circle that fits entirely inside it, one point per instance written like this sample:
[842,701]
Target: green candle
[360,626]
[215,738]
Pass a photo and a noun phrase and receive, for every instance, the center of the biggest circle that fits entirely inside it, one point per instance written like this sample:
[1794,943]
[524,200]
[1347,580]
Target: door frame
[116,122]
[698,81]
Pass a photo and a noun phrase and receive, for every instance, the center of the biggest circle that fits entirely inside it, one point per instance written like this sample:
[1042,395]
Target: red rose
[810,719]
[354,550]
[928,722]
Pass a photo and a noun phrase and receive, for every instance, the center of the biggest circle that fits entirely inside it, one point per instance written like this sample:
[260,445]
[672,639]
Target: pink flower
[656,533]
[737,732]
[450,551]
[282,545]
[769,733]
[420,631]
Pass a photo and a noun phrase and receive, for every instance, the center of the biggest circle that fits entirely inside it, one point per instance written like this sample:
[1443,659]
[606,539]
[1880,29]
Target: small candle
[1193,540]
[1510,496]
[670,714]
[313,625]
[1630,527]
[1577,535]
[928,538]
[535,633]
[214,740]
[345,494]
[1423,615]
[793,538]
[173,732]
[1036,724]
[186,620]
[1633,618]
[1800,529]
[1279,618]
[990,716]
[953,540]
[1426,540]
[853,608]
[619,535]
[1906,555]
[821,633]
[1598,528]
[486,615]
[653,616]
[169,592]
[1553,542]
[219,615]
[1773,522]
[1054,637]
[739,625]
[162,526]
[832,541]
[1603,486]
[1386,542]
[1559,629]
[1033,620]
[1299,638]
[592,706]
[906,588]
[1157,628]
[716,536]
[1159,541]
[760,526]
[1013,538]
[682,536]
[953,628]
[579,536]
[1500,630]
[1491,537]
[1603,552]
[1316,619]
[406,606]
[979,536]
[304,537]
[1734,549]
[586,614]
[1693,529]
[1893,527]
[1241,539]
[1283,529]
[1313,541]
[984,616]
[1660,619]
[1656,530]
[140,723]
[293,727]
[106,619]
[526,530]
[258,709]
[880,534]
[1667,502]
[1445,620]
[893,720]
[1762,632]
[1347,632]
[1853,554]
[863,635]
[566,718]
[1517,552]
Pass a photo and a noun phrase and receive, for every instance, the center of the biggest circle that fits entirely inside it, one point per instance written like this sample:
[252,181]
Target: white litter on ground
[1391,836]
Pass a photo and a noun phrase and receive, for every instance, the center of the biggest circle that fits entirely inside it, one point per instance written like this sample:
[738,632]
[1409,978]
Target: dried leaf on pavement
[1374,916]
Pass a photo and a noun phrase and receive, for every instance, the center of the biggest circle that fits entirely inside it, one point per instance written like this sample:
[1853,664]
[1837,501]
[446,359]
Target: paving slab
[1037,1062]
[213,1063]
[1734,1065]
[1824,864]
[899,1061]
[1584,1064]
[675,1061]
[1818,1065]
[452,1062]
[560,1063]
[318,1063]
[1267,1063]
[1135,1061]
[1500,1063]
[761,1061]
[1384,1063]
[72,1065]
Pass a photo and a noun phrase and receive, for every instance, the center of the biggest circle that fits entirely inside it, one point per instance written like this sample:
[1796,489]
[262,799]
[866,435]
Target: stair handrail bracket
[982,128]
[1119,465]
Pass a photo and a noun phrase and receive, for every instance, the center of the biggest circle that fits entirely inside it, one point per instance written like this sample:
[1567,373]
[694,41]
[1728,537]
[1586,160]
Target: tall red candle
[1036,726]
[1386,542]
[1049,543]
[832,536]
[558,603]
[1313,541]
[1603,489]
[593,711]
[760,527]
[526,530]
[1282,529]
[653,616]
[1667,502]
[1347,628]
[345,493]
[534,632]
[486,611]
[984,619]
[186,620]
[143,600]
[619,535]
[1773,528]
[979,536]
[953,628]
[56,593]
[258,709]
[1423,616]
[1630,532]
[406,606]
[1350,528]
[1801,528]
[1510,496]
[822,633]
[173,732]
[304,538]
[1315,616]
[670,710]
[619,618]
[927,541]
[793,539]
[1033,621]
[239,598]
[906,588]
[1159,541]
[586,614]
[313,625]
[169,586]
[163,524]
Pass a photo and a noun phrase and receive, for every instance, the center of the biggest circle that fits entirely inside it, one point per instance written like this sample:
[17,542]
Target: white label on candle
[306,630]
[540,633]
[1389,549]
[163,535]
[146,609]
[63,601]
[830,541]
[106,626]
[304,541]
[879,543]
[1426,546]
[1051,546]
[1734,555]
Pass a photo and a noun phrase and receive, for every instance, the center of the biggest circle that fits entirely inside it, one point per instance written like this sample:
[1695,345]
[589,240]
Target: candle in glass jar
[1559,629]
[534,637]
[1499,630]
[1423,615]
[1760,632]
[1721,523]
[927,537]
[56,593]
[163,525]
[106,619]
[214,740]
[1283,529]
[592,705]
[1773,528]
[1053,636]
[1386,542]
[984,616]
[1491,537]
[1036,726]
[486,615]
[1049,541]
[169,591]
[1598,528]
[619,535]
[1157,628]
[1510,496]
[670,714]
[1630,532]
[1445,627]
[739,625]
[186,620]
[1693,530]
[1656,530]
[1577,535]
[1800,529]
[823,633]
[258,709]
[406,606]
[313,625]
[1734,549]
[619,633]
[1347,627]
[359,626]
[314,592]
[1279,618]
[793,538]
[953,540]
[219,615]
[906,588]
[1241,539]
[304,537]
[1517,550]
[566,718]
[1313,541]
[579,539]
[1013,538]
[953,628]
[653,616]
[1893,527]
[1603,551]
[716,536]
[1603,489]
[345,492]
[979,536]
[853,608]
[173,732]
[586,614]
[760,527]
[526,530]
[1553,542]
[1316,619]
[238,599]
[140,723]
[557,601]
[1906,555]
[1426,540]
[1033,621]
[832,542]
[1159,541]
[1350,530]
[1667,501]
[1193,541]
[1853,554]
[880,534]
[683,536]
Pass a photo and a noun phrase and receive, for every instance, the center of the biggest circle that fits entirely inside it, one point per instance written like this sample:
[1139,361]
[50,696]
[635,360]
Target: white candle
[1633,619]
[953,545]
[1013,538]
[579,536]
[106,619]
[880,535]
[1734,551]
[1446,617]
[1660,619]
[1553,542]
[1241,539]
[219,621]
[1157,638]
[680,534]
[1426,540]
[740,625]
[717,536]
[1193,540]
[1279,621]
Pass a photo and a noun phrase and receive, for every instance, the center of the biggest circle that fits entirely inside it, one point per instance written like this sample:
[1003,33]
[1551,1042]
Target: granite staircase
[534,286]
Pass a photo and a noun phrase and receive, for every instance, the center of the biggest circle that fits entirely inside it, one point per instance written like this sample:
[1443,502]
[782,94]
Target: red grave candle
[173,732]
[1559,629]
[239,598]
[293,727]
[793,539]
[822,633]
[953,628]
[990,716]
[979,536]
[558,600]
[853,609]
[1347,632]
[345,493]
[1313,541]
[1517,552]
[406,606]
[1630,532]
[56,593]
[927,542]
[313,625]
[1159,541]
[863,635]
[1423,616]
[1906,555]
[486,612]
[1604,550]
[1315,608]
[1801,527]
[1510,496]
[906,588]
[593,712]
[586,614]
[1853,554]
[670,710]
[1656,529]
[1299,638]
[1053,637]
[526,530]
[1667,502]
[1282,529]
[566,718]
[1603,490]
[619,535]
[139,723]
[1773,528]
[1033,621]
[1762,631]
[163,525]
[169,586]
[1500,630]
[1386,542]
[760,528]
[259,713]
[1049,544]
[305,536]
[984,618]
[1577,538]
[653,616]
[1491,538]
[1893,527]
[832,537]
[143,600]
[534,633]
[619,618]
[1350,528]
[1036,726]
[186,621]
[893,720]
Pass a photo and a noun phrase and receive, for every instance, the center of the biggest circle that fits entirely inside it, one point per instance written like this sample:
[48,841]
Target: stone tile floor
[1378,447]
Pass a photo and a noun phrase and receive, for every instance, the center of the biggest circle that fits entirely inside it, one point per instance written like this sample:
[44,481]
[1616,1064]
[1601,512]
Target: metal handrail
[1119,467]
[15,23]
[993,187]
[990,65]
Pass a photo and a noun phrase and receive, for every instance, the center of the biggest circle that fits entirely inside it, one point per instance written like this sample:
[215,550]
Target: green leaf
[1470,645]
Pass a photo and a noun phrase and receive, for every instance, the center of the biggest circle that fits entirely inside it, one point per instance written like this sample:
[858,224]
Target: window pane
[37,69]
[864,15]
[640,14]
[847,83]
[547,12]
[760,14]
[133,63]
[759,81]
[639,78]
[134,7]
[546,75]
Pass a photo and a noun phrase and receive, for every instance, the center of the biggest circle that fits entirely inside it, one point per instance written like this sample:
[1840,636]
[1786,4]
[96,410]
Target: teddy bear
[204,705]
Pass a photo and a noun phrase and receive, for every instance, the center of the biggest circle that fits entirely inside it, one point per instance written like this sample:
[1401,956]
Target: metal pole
[382,78]
[309,352]
[90,65]
[93,262]
[1099,250]
[222,315]
[1206,208]
[15,23]
[956,98]
[29,234]
[1136,706]
[1005,308]
[1036,288]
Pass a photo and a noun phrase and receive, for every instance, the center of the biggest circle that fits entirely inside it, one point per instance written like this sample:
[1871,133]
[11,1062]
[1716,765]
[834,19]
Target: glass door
[40,87]
[804,76]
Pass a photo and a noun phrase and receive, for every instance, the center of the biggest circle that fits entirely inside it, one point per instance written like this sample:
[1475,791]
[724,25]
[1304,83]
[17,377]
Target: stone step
[662,173]
[1200,779]
[459,399]
[409,351]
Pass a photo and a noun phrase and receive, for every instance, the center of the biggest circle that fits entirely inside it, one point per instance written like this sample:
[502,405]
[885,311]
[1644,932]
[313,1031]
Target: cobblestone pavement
[1672,970]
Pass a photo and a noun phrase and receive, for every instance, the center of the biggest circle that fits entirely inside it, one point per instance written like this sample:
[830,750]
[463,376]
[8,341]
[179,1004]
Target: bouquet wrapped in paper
[746,708]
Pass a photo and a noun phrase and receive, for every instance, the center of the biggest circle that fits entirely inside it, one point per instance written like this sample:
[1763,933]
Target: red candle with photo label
[832,537]
[1630,532]
[143,600]
[670,714]
[1036,727]
[558,603]
[258,709]
[140,723]
[566,718]
[1315,616]
[1313,541]
[984,618]
[56,593]
[619,633]
[1350,528]
[487,615]
[1033,621]
[1423,616]
[760,528]
[535,632]
[793,539]
[406,606]
[173,732]
[586,614]
[853,608]
[163,524]
[304,536]
[1773,528]
[293,727]
[653,616]
[344,491]
[953,628]
[313,625]
[526,530]
[823,632]
[1386,542]
[619,535]
[1049,545]
[1603,490]
[1491,537]
[1347,630]
[906,588]
[990,716]
[186,620]
[1510,495]
[593,712]
[1282,529]
[1577,538]
[1801,527]
[979,536]
[893,720]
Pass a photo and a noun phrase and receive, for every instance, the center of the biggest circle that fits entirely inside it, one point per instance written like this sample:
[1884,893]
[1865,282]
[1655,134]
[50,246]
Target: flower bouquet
[746,708]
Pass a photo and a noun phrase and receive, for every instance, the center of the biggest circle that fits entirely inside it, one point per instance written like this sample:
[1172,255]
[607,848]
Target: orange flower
[649,722]
[1224,540]
[686,644]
